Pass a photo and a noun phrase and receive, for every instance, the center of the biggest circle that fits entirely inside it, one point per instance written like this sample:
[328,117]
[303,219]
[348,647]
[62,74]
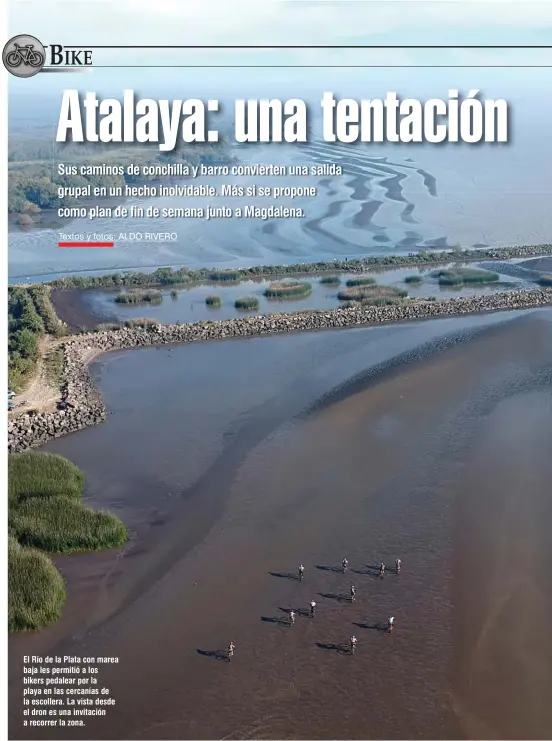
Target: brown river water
[233,462]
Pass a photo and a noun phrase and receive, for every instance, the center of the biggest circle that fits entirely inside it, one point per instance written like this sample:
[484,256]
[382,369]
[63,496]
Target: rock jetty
[82,405]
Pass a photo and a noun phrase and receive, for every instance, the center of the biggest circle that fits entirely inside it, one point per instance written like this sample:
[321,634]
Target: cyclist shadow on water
[340,648]
[369,570]
[336,597]
[285,575]
[218,655]
[275,620]
[381,627]
[335,569]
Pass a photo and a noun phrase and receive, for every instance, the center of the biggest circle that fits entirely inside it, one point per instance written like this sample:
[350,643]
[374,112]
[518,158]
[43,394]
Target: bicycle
[26,55]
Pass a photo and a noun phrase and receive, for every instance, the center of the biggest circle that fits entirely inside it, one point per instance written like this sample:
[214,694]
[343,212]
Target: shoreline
[84,406]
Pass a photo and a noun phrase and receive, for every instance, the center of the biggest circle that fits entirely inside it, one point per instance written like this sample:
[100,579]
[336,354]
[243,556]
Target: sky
[170,22]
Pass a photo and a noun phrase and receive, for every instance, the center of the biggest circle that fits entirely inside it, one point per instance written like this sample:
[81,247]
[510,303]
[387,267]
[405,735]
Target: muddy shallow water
[90,307]
[189,303]
[233,462]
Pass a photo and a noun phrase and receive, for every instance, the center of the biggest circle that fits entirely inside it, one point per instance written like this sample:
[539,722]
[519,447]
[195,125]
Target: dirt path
[42,393]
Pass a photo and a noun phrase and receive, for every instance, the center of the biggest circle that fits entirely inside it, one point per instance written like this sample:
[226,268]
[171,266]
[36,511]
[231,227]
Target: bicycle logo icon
[24,56]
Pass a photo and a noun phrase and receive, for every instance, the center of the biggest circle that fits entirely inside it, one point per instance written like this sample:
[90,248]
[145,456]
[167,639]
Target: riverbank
[84,407]
[228,480]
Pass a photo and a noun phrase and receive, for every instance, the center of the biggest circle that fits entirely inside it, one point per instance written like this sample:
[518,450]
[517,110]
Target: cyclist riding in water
[382,569]
[390,622]
[301,572]
[353,644]
[353,593]
[292,617]
[398,565]
[344,565]
[312,608]
[231,647]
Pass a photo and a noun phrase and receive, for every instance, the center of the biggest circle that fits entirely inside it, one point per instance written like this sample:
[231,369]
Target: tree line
[30,316]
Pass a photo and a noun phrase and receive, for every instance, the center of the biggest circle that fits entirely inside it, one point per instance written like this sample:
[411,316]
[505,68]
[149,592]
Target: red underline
[86,244]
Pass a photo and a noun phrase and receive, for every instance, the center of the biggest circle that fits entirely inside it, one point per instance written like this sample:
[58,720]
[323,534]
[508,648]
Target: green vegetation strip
[46,512]
[167,276]
[213,301]
[413,279]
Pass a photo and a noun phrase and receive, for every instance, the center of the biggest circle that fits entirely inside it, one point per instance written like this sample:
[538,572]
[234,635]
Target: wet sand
[440,457]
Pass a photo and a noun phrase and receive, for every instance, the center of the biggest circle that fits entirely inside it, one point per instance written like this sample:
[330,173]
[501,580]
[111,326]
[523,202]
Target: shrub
[247,303]
[36,590]
[174,295]
[413,279]
[330,280]
[213,301]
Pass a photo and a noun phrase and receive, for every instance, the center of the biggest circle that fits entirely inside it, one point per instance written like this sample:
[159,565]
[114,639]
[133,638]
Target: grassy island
[372,295]
[362,280]
[225,276]
[413,280]
[139,297]
[458,277]
[214,301]
[288,289]
[330,280]
[247,303]
[46,515]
